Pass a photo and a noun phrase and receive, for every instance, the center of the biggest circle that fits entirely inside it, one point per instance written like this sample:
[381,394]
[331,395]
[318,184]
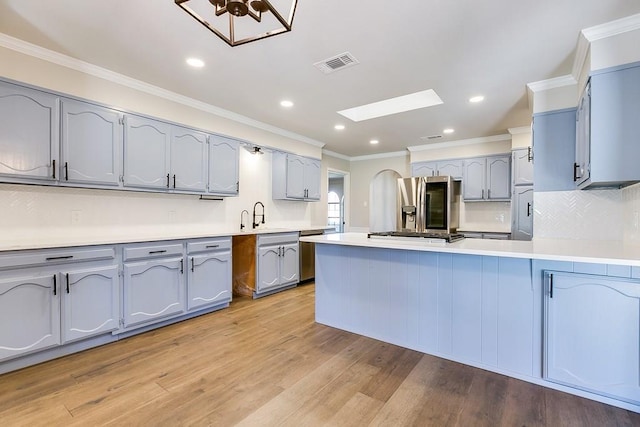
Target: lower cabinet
[522,213]
[592,334]
[209,275]
[278,262]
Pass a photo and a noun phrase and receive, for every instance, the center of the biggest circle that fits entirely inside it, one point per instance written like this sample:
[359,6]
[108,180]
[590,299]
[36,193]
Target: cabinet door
[223,166]
[312,179]
[209,279]
[424,168]
[29,131]
[295,177]
[522,167]
[90,302]
[452,168]
[593,334]
[473,179]
[289,264]
[29,314]
[268,268]
[146,153]
[188,160]
[498,178]
[91,144]
[522,227]
[583,137]
[153,290]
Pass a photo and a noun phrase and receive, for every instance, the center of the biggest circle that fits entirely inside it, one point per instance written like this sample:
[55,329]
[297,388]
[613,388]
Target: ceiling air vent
[430,137]
[335,63]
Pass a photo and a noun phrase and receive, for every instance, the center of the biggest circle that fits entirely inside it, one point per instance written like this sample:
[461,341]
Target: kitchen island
[562,314]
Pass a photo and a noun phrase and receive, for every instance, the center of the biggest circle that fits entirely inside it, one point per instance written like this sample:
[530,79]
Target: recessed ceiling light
[286,103]
[339,127]
[195,62]
[448,130]
[400,104]
[374,141]
[478,98]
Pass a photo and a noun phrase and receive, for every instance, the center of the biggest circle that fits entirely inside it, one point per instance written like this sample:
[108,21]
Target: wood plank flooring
[266,363]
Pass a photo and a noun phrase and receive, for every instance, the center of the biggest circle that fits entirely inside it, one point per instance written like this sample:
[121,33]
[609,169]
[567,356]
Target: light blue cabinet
[90,301]
[91,144]
[188,160]
[278,262]
[424,168]
[224,158]
[522,213]
[487,178]
[451,168]
[29,134]
[592,334]
[607,148]
[153,286]
[522,163]
[295,177]
[209,273]
[554,135]
[146,153]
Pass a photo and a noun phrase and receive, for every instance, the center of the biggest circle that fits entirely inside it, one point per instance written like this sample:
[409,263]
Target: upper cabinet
[554,135]
[607,129]
[91,144]
[223,166]
[29,132]
[487,178]
[295,177]
[188,160]
[522,161]
[146,153]
[451,168]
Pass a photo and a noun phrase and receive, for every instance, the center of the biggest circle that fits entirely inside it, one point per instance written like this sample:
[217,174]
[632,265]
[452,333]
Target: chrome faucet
[242,226]
[255,224]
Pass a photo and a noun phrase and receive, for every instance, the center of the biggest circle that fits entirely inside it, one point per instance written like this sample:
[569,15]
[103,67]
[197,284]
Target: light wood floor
[266,362]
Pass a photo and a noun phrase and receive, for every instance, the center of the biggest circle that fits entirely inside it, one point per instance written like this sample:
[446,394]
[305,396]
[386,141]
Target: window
[334,217]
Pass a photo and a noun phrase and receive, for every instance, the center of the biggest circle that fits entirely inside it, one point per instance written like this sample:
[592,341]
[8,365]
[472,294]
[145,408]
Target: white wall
[36,211]
[615,50]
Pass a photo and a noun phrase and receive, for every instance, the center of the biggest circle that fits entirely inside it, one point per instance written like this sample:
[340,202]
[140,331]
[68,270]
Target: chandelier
[228,19]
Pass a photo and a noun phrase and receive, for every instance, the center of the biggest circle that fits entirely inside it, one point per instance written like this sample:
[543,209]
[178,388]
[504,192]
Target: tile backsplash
[606,214]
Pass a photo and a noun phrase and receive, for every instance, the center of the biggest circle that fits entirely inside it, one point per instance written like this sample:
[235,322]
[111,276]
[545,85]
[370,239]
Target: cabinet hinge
[121,120]
[120,273]
[121,321]
[121,178]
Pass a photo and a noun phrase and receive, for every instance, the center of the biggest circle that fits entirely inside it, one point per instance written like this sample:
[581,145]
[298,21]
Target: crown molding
[519,130]
[336,155]
[48,55]
[613,28]
[380,156]
[460,142]
[552,83]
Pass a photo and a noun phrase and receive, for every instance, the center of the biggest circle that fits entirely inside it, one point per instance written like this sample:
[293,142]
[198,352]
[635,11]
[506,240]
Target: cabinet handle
[53,166]
[53,258]
[157,252]
[550,285]
[529,154]
[55,282]
[489,193]
[182,266]
[174,180]
[168,181]
[238,186]
[528,208]
[279,250]
[193,264]
[212,246]
[66,171]
[67,282]
[482,194]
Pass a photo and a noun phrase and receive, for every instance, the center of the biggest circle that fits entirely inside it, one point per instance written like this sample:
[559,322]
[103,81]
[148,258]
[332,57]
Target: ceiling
[459,49]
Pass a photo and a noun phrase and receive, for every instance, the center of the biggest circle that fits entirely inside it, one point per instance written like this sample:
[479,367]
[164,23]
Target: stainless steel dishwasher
[308,256]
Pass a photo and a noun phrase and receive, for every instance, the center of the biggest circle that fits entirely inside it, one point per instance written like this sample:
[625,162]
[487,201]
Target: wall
[362,171]
[319,209]
[35,210]
[615,50]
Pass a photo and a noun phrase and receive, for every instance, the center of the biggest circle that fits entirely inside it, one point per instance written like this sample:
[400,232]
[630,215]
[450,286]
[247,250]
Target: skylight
[400,104]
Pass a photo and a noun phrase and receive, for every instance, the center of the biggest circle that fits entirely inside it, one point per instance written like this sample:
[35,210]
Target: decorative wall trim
[461,142]
[519,130]
[380,156]
[613,28]
[336,155]
[44,54]
[553,83]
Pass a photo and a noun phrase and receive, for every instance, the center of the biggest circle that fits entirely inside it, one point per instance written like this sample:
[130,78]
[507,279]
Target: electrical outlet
[76,217]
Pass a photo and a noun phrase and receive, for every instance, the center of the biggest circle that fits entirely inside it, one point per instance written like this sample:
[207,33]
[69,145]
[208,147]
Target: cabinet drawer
[209,245]
[54,256]
[151,251]
[276,239]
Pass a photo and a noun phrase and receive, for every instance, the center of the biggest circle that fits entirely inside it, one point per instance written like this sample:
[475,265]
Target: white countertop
[591,251]
[85,237]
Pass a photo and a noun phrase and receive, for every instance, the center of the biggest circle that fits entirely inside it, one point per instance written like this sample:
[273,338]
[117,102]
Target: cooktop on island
[432,237]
